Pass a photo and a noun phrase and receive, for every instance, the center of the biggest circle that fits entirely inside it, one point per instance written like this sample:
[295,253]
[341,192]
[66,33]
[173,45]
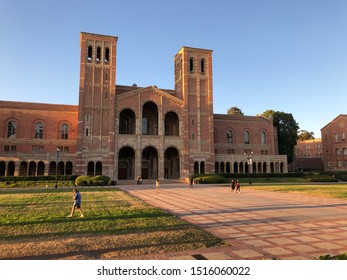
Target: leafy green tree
[235,111]
[287,132]
[305,135]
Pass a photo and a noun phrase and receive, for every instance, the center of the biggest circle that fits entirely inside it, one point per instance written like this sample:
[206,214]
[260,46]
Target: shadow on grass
[97,254]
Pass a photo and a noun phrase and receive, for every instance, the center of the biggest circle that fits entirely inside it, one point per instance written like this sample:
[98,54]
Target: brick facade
[308,155]
[335,144]
[129,131]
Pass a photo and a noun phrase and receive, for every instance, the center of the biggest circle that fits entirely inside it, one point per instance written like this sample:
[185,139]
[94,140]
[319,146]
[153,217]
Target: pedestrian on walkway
[238,186]
[157,184]
[77,203]
[232,185]
[191,182]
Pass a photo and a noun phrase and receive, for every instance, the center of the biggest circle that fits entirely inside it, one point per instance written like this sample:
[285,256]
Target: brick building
[308,155]
[129,131]
[334,144]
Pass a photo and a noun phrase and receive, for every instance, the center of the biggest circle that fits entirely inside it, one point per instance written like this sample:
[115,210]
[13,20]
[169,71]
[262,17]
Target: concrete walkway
[258,225]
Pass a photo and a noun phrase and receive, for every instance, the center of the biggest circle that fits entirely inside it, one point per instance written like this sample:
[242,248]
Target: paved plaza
[258,225]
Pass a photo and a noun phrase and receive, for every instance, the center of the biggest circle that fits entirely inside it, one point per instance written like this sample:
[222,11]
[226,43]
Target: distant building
[334,144]
[129,131]
[308,155]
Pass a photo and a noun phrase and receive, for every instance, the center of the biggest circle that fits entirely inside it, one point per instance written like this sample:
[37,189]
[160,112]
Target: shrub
[320,178]
[100,180]
[83,181]
[111,183]
[342,177]
[209,179]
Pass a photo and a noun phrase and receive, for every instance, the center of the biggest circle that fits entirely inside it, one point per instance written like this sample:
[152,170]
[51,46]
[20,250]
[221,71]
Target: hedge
[99,180]
[38,178]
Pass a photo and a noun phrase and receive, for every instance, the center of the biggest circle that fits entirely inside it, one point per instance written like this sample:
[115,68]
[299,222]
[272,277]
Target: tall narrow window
[202,65]
[246,137]
[90,53]
[144,126]
[230,137]
[191,64]
[343,136]
[87,117]
[87,124]
[11,129]
[98,54]
[64,131]
[107,55]
[39,130]
[263,138]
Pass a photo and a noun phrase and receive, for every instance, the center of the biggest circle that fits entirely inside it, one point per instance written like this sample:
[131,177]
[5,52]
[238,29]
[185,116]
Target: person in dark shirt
[77,203]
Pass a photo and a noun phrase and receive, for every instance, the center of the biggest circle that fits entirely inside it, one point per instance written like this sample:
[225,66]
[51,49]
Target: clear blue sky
[285,55]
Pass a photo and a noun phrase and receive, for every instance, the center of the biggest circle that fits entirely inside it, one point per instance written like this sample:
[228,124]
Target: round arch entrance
[149,163]
[126,164]
[172,164]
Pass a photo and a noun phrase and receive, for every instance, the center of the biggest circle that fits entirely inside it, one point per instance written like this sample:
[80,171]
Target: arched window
[191,64]
[107,55]
[230,137]
[64,131]
[246,137]
[196,167]
[343,136]
[90,53]
[11,129]
[98,54]
[127,122]
[150,118]
[171,124]
[202,167]
[262,138]
[39,130]
[202,65]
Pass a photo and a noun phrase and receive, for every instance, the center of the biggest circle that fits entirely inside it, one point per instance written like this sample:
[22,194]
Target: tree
[235,111]
[287,132]
[305,135]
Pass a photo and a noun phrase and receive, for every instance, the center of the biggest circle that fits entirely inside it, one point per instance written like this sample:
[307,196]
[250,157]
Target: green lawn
[328,190]
[34,223]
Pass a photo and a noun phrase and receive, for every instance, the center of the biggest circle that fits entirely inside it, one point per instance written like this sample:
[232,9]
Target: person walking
[77,203]
[191,182]
[238,186]
[157,184]
[232,185]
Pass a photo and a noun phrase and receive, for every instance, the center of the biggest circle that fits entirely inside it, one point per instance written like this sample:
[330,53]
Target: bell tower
[193,83]
[96,108]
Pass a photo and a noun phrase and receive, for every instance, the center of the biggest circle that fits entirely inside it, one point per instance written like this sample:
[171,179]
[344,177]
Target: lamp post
[56,169]
[249,162]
